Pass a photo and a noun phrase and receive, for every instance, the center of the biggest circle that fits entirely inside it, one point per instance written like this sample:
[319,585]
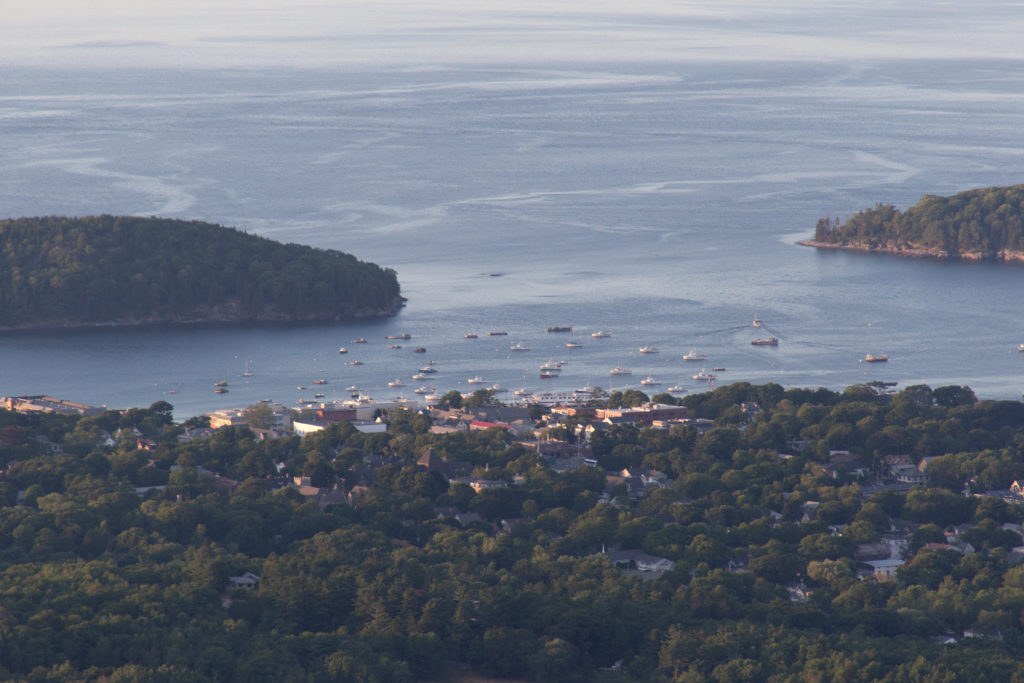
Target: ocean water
[658,196]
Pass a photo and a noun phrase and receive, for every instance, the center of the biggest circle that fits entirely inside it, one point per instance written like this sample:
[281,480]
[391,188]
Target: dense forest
[983,223]
[103,577]
[59,271]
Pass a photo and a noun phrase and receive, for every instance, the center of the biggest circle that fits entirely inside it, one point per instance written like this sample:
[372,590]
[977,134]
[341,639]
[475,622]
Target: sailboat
[572,344]
[247,373]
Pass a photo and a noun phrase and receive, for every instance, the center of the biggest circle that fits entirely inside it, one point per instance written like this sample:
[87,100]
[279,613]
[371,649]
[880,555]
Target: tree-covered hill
[977,224]
[58,271]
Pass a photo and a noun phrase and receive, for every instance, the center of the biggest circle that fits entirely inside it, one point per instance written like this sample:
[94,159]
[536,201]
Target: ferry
[693,355]
[766,341]
[876,358]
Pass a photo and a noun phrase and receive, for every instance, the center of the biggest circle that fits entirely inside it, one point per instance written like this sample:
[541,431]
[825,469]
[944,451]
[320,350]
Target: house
[639,561]
[884,569]
[908,474]
[247,581]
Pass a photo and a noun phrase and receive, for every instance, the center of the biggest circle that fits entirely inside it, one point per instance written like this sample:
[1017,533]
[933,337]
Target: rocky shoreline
[1004,255]
[228,314]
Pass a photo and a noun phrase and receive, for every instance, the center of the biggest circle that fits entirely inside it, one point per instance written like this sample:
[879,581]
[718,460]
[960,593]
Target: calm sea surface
[658,201]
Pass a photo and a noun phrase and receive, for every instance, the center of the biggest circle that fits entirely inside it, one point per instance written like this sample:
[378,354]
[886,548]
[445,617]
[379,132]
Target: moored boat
[600,334]
[693,355]
[476,380]
[619,370]
[765,341]
[876,358]
[649,381]
[648,349]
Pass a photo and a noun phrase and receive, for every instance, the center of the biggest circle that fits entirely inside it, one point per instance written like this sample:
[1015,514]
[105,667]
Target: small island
[982,224]
[63,272]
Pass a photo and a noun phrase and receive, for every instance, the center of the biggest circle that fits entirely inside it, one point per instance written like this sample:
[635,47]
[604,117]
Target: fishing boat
[396,383]
[757,322]
[619,370]
[221,383]
[548,374]
[693,355]
[649,381]
[428,369]
[551,366]
[648,349]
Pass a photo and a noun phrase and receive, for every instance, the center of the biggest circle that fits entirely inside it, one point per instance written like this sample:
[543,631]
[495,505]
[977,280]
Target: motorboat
[342,350]
[352,388]
[404,335]
[354,362]
[421,390]
[766,341]
[757,322]
[619,370]
[396,383]
[648,349]
[649,381]
[718,369]
[220,390]
[498,389]
[703,376]
[559,328]
[476,380]
[221,383]
[676,389]
[519,346]
[601,334]
[394,346]
[548,374]
[361,340]
[551,366]
[428,369]
[876,358]
[319,381]
[693,355]
[470,335]
[421,376]
[497,333]
[419,349]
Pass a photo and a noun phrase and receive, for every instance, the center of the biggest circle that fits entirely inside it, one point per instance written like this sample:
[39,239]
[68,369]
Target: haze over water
[644,169]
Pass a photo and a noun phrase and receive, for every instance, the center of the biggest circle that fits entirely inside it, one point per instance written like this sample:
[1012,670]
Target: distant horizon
[270,33]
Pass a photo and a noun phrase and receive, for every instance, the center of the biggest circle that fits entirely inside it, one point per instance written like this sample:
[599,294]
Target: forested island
[982,224]
[135,549]
[124,270]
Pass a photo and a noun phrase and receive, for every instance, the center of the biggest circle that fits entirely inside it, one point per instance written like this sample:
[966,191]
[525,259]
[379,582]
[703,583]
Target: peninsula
[982,224]
[63,272]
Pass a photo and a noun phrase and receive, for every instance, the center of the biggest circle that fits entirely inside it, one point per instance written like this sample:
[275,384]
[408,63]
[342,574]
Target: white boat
[876,358]
[519,346]
[572,344]
[246,372]
[498,389]
[649,381]
[766,341]
[342,350]
[551,366]
[648,349]
[703,376]
[428,369]
[421,376]
[1020,348]
[757,322]
[601,334]
[619,370]
[421,390]
[396,383]
[352,388]
[676,389]
[693,355]
[521,392]
[354,362]
[476,380]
